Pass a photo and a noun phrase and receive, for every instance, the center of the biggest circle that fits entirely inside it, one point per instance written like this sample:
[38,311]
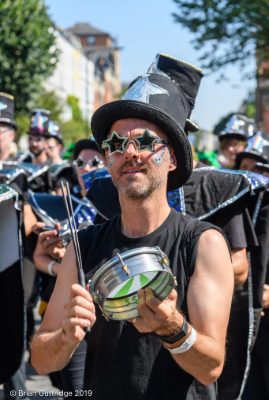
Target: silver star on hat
[142,89]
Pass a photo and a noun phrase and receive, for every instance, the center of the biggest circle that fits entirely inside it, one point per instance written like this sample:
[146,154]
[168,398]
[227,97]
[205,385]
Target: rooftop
[84,28]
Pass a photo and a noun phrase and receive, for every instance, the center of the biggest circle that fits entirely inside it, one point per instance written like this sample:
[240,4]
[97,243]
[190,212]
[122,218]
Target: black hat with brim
[238,127]
[8,122]
[262,167]
[156,99]
[232,135]
[253,154]
[84,144]
[39,123]
[183,74]
[7,110]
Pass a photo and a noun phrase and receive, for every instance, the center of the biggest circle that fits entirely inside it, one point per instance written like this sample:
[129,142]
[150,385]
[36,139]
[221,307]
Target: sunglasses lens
[80,162]
[116,146]
[146,141]
[118,143]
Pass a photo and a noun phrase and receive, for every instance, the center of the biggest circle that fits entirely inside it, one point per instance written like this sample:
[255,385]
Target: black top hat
[158,99]
[54,131]
[238,127]
[182,74]
[257,149]
[39,123]
[262,167]
[7,109]
[84,144]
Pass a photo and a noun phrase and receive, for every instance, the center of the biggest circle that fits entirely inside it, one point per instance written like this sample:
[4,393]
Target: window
[91,39]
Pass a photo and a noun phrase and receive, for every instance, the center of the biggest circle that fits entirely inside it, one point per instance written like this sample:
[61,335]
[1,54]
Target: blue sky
[144,28]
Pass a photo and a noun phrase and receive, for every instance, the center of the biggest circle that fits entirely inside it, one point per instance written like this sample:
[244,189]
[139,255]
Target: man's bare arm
[69,312]
[240,265]
[209,300]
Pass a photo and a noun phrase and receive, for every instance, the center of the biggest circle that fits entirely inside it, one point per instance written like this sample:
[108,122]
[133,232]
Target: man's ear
[12,135]
[173,161]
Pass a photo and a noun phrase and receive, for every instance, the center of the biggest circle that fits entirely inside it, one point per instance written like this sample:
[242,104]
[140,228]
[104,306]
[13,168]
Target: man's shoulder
[192,226]
[94,231]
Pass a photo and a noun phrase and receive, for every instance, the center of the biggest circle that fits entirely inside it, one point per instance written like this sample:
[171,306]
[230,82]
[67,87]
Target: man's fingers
[37,226]
[162,309]
[78,290]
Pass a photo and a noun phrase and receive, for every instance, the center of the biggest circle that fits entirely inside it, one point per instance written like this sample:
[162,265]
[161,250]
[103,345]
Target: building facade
[262,97]
[74,75]
[101,48]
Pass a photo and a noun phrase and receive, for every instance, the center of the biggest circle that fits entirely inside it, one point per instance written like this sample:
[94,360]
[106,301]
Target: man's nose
[131,150]
[87,168]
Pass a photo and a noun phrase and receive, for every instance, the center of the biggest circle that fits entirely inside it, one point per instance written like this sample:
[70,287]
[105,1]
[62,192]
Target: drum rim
[136,251]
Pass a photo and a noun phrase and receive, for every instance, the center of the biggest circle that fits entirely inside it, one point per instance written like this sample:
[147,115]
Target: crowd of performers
[34,235]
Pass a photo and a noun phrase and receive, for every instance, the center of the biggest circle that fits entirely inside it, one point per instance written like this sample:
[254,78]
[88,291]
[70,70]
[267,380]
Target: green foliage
[74,130]
[227,31]
[22,121]
[73,102]
[50,101]
[250,110]
[27,49]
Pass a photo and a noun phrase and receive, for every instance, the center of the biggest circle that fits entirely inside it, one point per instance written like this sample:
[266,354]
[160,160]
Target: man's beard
[36,152]
[139,191]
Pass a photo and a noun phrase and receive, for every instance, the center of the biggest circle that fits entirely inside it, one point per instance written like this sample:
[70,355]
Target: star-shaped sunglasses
[146,141]
[95,162]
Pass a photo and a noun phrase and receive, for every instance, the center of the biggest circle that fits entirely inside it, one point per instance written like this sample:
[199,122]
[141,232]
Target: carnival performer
[47,257]
[12,367]
[174,343]
[256,158]
[7,127]
[38,133]
[55,143]
[233,139]
[211,195]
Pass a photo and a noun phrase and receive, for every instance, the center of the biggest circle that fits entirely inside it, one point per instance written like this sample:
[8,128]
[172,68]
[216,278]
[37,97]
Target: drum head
[115,285]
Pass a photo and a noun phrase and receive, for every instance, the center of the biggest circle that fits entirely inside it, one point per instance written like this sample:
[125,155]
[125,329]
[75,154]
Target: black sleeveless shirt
[123,364]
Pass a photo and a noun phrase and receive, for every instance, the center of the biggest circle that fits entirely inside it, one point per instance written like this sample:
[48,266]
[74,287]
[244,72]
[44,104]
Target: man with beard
[38,134]
[55,143]
[176,343]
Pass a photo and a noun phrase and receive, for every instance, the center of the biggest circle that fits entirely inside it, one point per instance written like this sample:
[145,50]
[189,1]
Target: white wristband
[189,342]
[50,268]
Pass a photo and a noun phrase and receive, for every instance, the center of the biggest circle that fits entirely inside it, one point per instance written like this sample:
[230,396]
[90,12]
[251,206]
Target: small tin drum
[114,286]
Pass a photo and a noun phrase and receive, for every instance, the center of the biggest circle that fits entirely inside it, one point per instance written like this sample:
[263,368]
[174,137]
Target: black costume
[133,365]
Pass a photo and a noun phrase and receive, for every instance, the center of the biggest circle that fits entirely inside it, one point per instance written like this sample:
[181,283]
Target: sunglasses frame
[125,141]
[93,163]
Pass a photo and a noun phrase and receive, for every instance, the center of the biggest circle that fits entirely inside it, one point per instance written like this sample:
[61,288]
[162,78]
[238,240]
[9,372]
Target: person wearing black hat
[174,343]
[7,127]
[87,157]
[255,158]
[233,139]
[257,383]
[14,380]
[54,143]
[204,195]
[38,134]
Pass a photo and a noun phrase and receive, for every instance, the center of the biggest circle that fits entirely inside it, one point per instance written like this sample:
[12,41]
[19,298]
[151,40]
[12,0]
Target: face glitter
[159,157]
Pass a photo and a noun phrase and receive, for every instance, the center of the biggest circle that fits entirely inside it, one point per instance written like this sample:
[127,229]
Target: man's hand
[48,242]
[79,313]
[161,317]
